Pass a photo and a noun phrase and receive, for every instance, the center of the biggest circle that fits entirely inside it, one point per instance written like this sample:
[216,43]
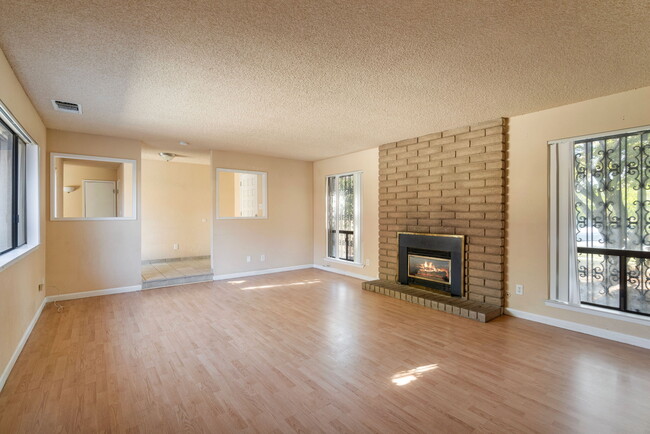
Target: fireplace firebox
[432,261]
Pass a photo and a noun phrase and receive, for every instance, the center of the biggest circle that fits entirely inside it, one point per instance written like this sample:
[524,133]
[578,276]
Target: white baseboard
[260,272]
[295,267]
[581,328]
[96,293]
[343,272]
[21,345]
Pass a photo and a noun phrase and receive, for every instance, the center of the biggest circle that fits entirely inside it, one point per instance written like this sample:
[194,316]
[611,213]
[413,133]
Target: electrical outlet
[367,261]
[262,258]
[519,289]
[248,258]
[175,246]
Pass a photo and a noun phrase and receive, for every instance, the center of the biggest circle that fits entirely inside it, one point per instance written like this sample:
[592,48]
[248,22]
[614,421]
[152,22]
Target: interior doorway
[176,217]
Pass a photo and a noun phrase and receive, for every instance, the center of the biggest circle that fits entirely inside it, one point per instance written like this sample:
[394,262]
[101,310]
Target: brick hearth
[458,306]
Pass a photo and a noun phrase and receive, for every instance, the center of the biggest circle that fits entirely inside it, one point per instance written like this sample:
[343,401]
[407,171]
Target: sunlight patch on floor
[305,282]
[405,377]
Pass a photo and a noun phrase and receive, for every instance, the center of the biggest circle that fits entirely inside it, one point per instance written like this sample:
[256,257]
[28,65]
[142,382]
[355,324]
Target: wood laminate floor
[310,351]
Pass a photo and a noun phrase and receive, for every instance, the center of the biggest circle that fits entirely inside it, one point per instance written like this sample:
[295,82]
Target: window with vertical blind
[343,217]
[600,221]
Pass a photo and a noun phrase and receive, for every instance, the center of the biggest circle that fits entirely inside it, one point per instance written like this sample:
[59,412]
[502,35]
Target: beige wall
[19,295]
[91,255]
[286,236]
[176,208]
[368,162]
[527,228]
[226,193]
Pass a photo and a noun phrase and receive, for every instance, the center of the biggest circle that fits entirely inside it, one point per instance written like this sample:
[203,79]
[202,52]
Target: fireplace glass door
[429,268]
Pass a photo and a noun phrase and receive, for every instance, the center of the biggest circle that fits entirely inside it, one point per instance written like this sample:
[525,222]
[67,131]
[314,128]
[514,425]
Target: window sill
[341,261]
[16,255]
[596,311]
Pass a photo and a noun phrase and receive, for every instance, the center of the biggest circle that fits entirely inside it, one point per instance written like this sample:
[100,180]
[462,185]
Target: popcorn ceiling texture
[451,182]
[310,79]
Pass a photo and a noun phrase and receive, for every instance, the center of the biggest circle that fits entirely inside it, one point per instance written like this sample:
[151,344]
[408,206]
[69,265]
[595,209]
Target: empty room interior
[324,216]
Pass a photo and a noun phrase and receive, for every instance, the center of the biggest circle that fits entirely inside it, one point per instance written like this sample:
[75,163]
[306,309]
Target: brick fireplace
[451,182]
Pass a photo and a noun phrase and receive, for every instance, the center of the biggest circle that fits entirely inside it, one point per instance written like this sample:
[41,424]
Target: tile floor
[172,270]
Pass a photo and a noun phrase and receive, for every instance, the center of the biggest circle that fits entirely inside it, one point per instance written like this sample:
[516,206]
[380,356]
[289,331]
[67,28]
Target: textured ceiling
[312,79]
[184,154]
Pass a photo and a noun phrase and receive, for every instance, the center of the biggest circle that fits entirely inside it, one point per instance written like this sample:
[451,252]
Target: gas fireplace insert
[432,261]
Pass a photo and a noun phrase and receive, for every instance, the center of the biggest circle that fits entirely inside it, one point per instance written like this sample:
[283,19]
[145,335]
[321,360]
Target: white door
[248,195]
[99,199]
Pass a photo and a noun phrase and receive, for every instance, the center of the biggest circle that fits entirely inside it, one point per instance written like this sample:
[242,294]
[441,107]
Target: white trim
[264,176]
[580,328]
[53,194]
[344,262]
[293,268]
[95,293]
[91,219]
[15,255]
[10,119]
[599,135]
[343,272]
[260,272]
[90,158]
[602,312]
[33,192]
[21,345]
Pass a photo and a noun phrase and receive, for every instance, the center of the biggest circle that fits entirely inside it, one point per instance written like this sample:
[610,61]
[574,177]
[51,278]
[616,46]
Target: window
[19,190]
[343,217]
[13,215]
[603,195]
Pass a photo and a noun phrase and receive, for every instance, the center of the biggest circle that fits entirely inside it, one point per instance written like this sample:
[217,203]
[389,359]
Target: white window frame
[264,194]
[563,284]
[32,191]
[358,214]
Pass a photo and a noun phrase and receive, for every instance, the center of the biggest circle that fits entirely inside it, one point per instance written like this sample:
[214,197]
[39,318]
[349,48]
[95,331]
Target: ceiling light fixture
[182,143]
[167,156]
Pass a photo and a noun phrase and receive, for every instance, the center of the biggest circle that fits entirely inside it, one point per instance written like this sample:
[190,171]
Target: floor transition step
[455,305]
[160,283]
